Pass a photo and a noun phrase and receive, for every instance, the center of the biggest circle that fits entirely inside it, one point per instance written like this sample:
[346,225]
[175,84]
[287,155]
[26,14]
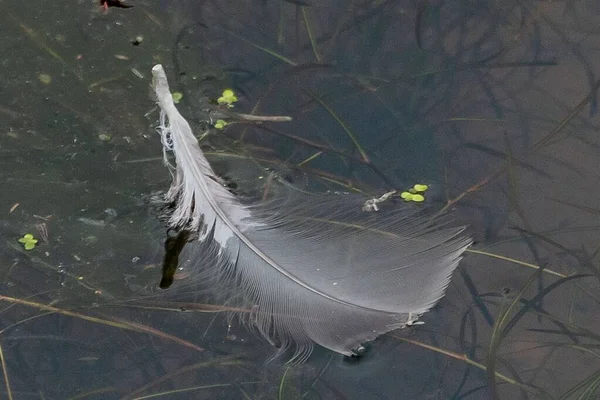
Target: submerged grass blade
[309,31]
[595,211]
[259,47]
[5,374]
[183,390]
[501,329]
[96,393]
[344,126]
[468,350]
[309,159]
[223,361]
[541,143]
[591,382]
[462,357]
[502,155]
[534,251]
[280,38]
[326,149]
[515,261]
[516,376]
[34,37]
[583,260]
[545,140]
[476,297]
[115,322]
[533,306]
[282,382]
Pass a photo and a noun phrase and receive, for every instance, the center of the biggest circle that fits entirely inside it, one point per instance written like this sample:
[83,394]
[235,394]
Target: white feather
[313,269]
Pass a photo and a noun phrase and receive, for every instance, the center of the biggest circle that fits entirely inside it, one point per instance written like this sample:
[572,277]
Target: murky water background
[493,104]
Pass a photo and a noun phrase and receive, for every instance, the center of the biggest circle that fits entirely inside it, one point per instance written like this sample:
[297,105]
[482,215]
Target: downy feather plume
[310,268]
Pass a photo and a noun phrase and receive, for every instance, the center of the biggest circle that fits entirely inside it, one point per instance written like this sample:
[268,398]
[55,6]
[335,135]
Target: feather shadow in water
[313,269]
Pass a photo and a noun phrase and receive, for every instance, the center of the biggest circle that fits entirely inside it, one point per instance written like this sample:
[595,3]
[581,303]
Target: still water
[492,104]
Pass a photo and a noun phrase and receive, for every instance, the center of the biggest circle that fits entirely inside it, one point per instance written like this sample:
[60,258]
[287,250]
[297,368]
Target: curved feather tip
[311,268]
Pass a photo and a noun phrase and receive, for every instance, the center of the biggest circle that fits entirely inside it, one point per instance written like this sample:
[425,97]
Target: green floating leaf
[415,193]
[177,96]
[220,124]
[419,198]
[227,98]
[28,241]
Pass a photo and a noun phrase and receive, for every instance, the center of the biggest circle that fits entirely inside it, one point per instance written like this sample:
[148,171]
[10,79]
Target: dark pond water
[493,104]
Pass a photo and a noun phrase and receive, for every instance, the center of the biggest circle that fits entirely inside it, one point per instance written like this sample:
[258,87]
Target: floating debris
[113,3]
[45,79]
[92,222]
[138,40]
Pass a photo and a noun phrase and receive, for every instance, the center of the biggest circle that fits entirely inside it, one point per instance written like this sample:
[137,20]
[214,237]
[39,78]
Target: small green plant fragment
[28,241]
[45,79]
[415,193]
[177,96]
[220,124]
[418,198]
[227,98]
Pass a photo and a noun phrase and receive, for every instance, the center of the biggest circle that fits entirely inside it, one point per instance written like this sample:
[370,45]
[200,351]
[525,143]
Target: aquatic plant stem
[466,359]
[5,373]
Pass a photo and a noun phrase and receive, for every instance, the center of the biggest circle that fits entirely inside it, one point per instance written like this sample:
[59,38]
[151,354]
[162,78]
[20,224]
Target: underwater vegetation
[492,106]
